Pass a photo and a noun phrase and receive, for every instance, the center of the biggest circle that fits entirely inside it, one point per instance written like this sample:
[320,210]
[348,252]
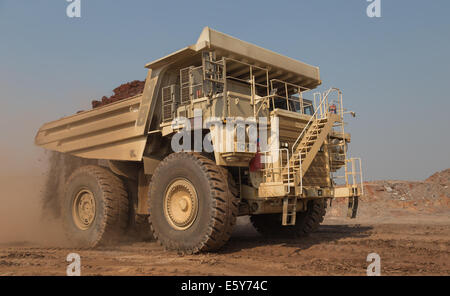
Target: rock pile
[124,91]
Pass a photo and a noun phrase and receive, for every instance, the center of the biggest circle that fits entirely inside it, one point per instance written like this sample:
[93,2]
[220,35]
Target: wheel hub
[181,204]
[83,209]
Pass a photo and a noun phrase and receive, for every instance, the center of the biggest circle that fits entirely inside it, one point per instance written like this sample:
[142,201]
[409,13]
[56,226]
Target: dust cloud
[30,202]
[60,167]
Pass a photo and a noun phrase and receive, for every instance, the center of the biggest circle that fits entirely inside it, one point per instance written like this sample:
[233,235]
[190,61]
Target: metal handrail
[319,107]
[280,151]
[301,173]
[264,100]
[307,125]
[355,172]
[361,175]
[329,91]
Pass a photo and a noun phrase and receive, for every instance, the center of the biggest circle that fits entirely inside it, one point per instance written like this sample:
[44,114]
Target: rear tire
[192,206]
[95,207]
[269,225]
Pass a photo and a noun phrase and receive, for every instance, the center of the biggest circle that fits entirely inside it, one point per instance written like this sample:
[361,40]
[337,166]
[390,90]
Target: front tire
[192,206]
[95,207]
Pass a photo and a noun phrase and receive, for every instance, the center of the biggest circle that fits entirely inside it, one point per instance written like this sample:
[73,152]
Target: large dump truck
[222,129]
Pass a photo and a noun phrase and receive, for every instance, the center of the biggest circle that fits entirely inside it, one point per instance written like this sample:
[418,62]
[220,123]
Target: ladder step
[289,211]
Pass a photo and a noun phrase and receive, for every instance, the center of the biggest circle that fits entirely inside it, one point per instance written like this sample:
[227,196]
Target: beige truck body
[237,79]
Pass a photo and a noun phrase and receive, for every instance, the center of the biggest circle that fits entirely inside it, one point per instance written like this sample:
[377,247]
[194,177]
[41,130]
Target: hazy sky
[394,70]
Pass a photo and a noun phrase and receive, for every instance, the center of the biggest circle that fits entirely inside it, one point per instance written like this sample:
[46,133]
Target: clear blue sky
[394,71]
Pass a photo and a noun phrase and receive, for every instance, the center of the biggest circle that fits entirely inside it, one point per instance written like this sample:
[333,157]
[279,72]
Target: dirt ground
[407,224]
[406,247]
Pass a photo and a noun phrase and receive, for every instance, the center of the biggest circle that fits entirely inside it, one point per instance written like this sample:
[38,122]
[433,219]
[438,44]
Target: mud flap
[352,207]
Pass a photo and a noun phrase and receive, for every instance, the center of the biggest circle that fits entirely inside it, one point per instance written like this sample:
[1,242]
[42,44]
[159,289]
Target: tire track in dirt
[336,249]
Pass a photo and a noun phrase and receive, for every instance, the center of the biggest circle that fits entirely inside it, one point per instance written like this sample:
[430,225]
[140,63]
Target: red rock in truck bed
[124,91]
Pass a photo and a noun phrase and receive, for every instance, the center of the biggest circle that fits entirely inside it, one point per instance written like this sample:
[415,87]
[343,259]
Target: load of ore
[124,91]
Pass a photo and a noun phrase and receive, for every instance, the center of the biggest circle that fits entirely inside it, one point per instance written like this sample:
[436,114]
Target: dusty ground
[407,224]
[419,247]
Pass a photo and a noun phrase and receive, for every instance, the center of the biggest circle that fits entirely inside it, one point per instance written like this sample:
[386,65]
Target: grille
[169,98]
[185,82]
[184,76]
[185,95]
[167,94]
[167,112]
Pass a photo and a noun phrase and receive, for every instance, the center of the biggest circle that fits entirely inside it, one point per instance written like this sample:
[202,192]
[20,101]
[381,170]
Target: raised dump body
[223,110]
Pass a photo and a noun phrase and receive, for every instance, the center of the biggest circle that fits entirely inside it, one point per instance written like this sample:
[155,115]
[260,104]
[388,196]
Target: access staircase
[304,150]
[284,177]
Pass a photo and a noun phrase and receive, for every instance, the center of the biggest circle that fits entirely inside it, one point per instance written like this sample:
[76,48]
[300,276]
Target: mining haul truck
[273,154]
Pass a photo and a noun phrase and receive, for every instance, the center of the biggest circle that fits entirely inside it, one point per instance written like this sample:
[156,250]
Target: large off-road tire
[306,222]
[94,207]
[192,205]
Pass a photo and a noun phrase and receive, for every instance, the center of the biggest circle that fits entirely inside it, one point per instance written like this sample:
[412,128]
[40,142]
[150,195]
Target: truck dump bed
[107,132]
